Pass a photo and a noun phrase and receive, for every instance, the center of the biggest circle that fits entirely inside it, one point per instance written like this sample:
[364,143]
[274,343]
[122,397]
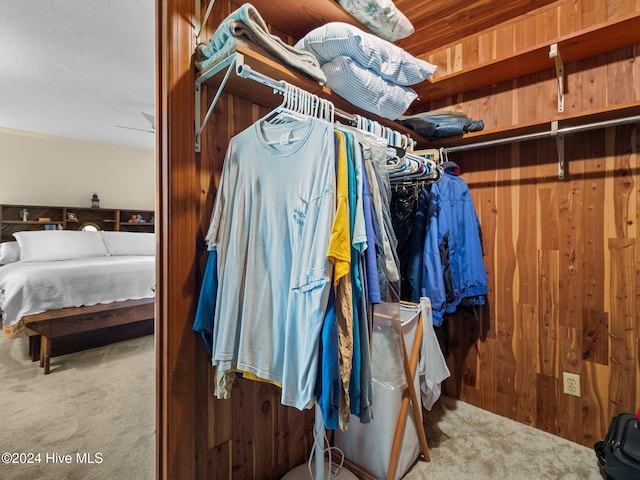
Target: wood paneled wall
[563,265]
[561,257]
[560,254]
[597,82]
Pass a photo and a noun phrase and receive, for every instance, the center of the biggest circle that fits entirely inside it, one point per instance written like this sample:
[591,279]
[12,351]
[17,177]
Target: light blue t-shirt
[270,226]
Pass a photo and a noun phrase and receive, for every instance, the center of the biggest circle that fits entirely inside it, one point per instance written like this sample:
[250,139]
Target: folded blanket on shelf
[246,24]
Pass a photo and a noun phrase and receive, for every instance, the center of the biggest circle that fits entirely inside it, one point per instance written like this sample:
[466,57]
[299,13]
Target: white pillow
[381,16]
[9,252]
[391,62]
[129,243]
[46,245]
[366,90]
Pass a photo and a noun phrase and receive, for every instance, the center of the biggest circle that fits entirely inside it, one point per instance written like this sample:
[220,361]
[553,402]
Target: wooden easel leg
[409,395]
[417,414]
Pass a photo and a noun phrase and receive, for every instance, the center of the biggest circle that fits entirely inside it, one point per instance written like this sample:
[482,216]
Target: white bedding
[34,287]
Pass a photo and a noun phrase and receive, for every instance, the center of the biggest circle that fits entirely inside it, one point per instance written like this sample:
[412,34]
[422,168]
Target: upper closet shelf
[302,16]
[226,75]
[602,38]
[557,128]
[600,117]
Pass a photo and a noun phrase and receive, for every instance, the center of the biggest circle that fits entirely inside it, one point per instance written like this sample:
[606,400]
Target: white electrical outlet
[571,383]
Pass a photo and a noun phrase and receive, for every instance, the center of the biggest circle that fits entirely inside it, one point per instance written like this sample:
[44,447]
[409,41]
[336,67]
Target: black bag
[619,452]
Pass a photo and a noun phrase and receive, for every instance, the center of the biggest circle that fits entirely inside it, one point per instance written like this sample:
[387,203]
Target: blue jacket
[453,267]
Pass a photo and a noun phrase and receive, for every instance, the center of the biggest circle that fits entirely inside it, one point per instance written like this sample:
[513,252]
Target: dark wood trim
[176,295]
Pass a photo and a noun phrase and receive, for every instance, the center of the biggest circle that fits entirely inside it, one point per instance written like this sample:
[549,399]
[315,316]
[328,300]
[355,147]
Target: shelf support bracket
[560,144]
[555,54]
[229,63]
[200,23]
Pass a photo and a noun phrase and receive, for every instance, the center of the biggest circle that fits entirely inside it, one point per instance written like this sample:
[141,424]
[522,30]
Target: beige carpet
[99,404]
[467,443]
[102,401]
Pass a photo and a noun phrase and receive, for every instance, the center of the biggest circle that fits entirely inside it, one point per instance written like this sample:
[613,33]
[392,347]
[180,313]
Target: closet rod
[235,61]
[245,71]
[547,133]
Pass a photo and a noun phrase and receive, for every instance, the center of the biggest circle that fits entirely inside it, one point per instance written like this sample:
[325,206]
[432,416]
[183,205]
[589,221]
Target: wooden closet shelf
[31,222]
[302,16]
[263,95]
[602,38]
[564,121]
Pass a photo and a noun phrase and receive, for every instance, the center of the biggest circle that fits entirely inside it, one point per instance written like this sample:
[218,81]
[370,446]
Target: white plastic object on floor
[369,445]
[301,472]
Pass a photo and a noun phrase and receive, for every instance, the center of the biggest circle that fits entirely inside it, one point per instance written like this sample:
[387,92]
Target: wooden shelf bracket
[555,54]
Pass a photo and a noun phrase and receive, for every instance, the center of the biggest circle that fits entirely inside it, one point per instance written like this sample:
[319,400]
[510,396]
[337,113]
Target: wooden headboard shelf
[41,217]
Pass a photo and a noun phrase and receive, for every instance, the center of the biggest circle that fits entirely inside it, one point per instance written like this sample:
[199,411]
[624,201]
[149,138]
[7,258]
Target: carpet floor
[91,418]
[96,412]
[468,443]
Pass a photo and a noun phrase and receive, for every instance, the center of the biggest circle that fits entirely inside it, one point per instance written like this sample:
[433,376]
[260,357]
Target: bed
[66,282]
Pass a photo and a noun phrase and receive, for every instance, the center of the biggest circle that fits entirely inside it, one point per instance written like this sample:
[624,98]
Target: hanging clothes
[432,367]
[453,271]
[403,213]
[270,227]
[301,244]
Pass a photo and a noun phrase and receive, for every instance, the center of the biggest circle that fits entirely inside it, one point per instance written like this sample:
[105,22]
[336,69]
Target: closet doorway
[77,84]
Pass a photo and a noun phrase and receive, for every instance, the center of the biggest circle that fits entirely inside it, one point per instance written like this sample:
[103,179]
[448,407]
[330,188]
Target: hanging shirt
[203,321]
[432,368]
[339,253]
[375,164]
[373,286]
[270,227]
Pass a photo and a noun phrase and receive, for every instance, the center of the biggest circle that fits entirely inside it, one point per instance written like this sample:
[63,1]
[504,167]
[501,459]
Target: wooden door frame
[177,224]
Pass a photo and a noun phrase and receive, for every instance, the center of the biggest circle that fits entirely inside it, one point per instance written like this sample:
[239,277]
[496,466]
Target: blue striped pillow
[367,90]
[391,62]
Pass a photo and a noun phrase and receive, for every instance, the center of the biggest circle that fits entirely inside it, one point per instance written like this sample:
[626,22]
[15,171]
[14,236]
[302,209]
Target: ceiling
[78,68]
[439,22]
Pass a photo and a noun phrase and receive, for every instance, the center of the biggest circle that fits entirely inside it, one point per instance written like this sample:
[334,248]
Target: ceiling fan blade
[150,118]
[134,128]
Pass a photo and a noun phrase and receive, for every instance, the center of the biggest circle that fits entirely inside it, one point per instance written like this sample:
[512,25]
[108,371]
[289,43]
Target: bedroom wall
[41,169]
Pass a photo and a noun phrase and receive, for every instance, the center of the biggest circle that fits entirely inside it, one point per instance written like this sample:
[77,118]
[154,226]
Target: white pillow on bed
[9,252]
[129,243]
[46,245]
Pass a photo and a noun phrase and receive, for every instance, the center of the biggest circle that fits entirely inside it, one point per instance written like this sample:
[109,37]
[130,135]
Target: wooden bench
[67,321]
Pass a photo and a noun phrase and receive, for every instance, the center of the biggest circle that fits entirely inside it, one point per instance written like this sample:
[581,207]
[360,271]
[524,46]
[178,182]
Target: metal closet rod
[245,71]
[549,133]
